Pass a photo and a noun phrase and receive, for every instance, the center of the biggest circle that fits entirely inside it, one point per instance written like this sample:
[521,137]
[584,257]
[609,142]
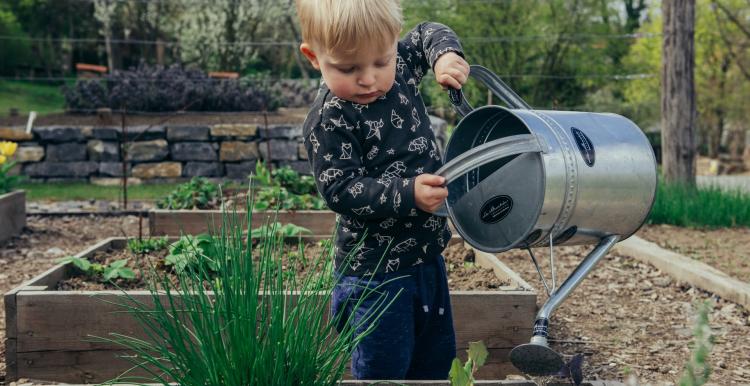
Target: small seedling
[140,246]
[118,270]
[463,375]
[83,264]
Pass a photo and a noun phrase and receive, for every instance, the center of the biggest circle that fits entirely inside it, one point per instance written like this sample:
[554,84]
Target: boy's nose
[367,79]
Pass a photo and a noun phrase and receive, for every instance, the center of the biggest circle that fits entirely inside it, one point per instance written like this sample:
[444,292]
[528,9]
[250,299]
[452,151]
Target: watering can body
[588,176]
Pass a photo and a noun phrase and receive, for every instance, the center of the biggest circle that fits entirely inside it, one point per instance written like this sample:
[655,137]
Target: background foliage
[592,55]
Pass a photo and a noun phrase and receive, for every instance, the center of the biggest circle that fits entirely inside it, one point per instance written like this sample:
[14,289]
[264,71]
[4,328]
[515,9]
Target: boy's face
[361,77]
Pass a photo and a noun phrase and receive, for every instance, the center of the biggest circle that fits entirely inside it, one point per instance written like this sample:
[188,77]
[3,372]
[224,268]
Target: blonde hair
[342,26]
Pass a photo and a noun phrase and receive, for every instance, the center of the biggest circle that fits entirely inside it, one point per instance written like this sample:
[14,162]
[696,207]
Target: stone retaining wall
[156,152]
[159,153]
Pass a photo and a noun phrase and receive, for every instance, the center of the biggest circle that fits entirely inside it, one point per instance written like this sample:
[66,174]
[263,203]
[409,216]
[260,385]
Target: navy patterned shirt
[365,158]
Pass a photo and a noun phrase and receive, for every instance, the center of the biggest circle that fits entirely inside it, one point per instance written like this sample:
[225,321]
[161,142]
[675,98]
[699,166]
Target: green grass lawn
[708,207]
[63,191]
[28,96]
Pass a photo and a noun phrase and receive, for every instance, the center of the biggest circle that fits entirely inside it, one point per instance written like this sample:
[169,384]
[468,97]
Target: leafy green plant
[282,231]
[241,328]
[7,182]
[284,188]
[199,193]
[150,244]
[697,369]
[116,270]
[463,375]
[196,253]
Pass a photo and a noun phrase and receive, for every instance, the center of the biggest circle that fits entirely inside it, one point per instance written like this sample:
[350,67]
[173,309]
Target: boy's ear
[306,50]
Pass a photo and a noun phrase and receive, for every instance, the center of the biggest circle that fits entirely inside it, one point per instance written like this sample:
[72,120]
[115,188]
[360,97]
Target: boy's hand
[429,192]
[451,70]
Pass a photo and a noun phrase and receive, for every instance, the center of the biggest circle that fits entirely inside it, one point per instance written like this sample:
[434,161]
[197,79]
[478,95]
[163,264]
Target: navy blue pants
[414,338]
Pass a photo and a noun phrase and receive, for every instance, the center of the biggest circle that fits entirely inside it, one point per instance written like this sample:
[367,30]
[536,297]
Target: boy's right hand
[429,192]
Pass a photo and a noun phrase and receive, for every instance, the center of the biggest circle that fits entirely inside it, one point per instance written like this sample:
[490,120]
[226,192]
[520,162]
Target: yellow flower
[7,149]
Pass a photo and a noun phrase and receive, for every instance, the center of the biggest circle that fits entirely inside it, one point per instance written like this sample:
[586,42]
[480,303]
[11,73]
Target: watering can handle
[486,153]
[494,83]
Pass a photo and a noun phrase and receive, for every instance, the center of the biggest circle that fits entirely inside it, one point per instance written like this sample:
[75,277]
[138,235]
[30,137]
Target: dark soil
[463,274]
[283,115]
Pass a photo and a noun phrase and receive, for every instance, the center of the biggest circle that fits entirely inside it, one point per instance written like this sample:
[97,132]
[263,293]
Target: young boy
[372,150]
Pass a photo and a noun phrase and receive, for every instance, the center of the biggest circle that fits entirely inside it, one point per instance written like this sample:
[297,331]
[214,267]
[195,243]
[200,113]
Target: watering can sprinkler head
[537,358]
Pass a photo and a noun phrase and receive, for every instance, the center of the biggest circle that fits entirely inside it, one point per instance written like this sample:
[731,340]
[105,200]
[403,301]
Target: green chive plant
[684,205]
[248,324]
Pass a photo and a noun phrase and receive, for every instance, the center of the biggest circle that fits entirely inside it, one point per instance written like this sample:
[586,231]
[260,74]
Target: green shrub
[199,193]
[682,205]
[697,369]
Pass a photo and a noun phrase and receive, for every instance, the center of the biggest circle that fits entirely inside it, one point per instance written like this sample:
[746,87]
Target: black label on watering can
[495,209]
[585,146]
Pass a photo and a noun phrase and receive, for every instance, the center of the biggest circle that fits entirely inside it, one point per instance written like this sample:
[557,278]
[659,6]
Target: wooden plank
[12,213]
[55,327]
[502,271]
[685,269]
[11,360]
[98,366]
[66,320]
[87,367]
[176,222]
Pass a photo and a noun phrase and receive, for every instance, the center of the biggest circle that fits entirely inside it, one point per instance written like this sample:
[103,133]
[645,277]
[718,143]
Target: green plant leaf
[458,375]
[478,353]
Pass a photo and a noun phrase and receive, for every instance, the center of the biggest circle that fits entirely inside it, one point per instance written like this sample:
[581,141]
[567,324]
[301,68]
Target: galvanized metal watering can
[520,178]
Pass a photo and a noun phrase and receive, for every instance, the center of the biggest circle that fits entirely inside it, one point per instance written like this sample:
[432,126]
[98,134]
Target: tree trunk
[678,114]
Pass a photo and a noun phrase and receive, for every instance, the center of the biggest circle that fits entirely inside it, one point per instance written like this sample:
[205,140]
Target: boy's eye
[347,70]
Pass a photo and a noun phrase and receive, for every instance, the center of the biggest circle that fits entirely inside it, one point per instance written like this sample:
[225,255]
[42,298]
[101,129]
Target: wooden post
[678,114]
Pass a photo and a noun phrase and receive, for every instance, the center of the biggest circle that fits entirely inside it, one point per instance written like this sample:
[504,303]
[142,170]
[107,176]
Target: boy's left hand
[451,70]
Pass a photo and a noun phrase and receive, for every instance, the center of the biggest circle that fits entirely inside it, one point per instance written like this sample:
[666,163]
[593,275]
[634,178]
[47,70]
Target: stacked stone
[168,153]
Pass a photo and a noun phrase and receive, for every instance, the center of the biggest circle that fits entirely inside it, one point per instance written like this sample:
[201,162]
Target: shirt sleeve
[425,43]
[334,149]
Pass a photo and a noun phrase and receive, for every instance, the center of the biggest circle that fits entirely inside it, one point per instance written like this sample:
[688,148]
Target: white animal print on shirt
[375,127]
[383,239]
[396,201]
[433,223]
[387,223]
[392,265]
[341,122]
[405,245]
[329,175]
[396,120]
[359,107]
[418,145]
[394,170]
[334,102]
[314,142]
[356,189]
[403,98]
[346,150]
[363,211]
[372,153]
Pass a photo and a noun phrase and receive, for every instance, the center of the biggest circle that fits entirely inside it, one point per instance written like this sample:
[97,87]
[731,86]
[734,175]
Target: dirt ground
[727,250]
[628,318]
[631,320]
[463,275]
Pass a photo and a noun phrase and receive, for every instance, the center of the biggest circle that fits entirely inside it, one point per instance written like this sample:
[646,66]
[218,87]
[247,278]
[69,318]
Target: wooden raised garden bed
[163,222]
[12,214]
[47,329]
